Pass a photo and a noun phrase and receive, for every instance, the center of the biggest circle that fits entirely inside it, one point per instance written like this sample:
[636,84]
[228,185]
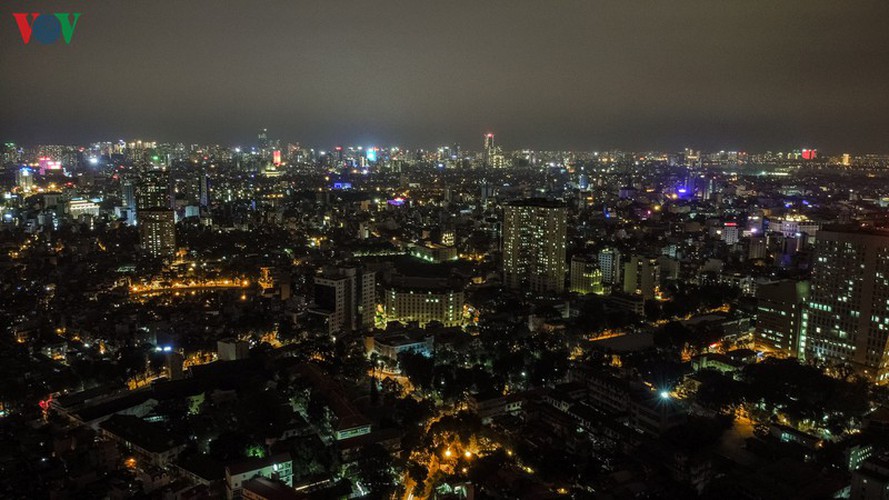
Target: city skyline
[576,75]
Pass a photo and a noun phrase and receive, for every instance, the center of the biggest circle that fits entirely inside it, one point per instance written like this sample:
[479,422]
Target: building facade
[534,232]
[424,304]
[846,319]
[779,307]
[347,296]
[609,263]
[157,232]
[586,277]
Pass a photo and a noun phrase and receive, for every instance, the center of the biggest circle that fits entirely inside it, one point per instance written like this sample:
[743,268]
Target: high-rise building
[758,247]
[157,232]
[534,232]
[24,178]
[846,318]
[779,308]
[641,275]
[263,139]
[586,277]
[347,296]
[730,233]
[204,190]
[154,190]
[609,263]
[488,147]
[128,194]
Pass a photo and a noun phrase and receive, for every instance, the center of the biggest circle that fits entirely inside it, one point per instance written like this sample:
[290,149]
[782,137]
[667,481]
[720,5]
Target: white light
[665,395]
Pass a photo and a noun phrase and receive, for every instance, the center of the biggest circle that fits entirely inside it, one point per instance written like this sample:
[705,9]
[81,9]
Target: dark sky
[585,74]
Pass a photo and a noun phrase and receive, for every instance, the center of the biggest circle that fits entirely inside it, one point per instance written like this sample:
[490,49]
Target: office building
[534,245]
[586,277]
[797,225]
[641,275]
[157,232]
[79,207]
[778,315]
[846,319]
[730,233]
[24,179]
[347,297]
[757,248]
[154,190]
[232,349]
[488,148]
[610,265]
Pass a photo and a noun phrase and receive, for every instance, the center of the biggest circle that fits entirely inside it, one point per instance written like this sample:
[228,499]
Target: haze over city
[581,75]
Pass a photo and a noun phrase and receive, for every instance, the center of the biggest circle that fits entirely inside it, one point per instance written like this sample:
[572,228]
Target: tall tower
[846,318]
[488,148]
[156,221]
[128,194]
[263,138]
[534,233]
[154,190]
[204,190]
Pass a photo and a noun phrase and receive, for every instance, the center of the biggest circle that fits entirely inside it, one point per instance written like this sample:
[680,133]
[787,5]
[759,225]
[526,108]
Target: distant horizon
[475,148]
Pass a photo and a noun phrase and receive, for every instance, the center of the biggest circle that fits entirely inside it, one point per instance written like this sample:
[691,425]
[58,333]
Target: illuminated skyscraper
[157,232]
[24,178]
[128,194]
[488,147]
[154,190]
[204,190]
[846,318]
[263,139]
[534,245]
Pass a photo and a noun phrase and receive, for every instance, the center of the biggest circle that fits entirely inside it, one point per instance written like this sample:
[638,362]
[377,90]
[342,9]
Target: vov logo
[46,28]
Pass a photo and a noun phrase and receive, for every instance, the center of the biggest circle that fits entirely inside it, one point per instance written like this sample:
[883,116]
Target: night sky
[634,74]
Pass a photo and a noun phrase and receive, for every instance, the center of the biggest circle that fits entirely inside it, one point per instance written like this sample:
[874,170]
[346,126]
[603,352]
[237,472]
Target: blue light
[371,154]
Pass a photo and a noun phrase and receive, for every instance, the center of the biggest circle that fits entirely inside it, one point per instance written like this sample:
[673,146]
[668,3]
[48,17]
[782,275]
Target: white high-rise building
[347,296]
[609,264]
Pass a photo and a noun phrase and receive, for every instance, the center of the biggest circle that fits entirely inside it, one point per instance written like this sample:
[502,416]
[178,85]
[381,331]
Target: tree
[375,470]
[418,368]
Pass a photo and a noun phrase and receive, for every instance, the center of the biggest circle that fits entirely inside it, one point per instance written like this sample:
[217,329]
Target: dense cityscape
[273,320]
